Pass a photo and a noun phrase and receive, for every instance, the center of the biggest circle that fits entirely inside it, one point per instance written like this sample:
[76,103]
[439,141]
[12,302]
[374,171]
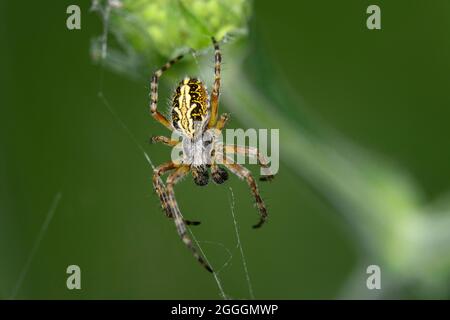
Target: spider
[193,114]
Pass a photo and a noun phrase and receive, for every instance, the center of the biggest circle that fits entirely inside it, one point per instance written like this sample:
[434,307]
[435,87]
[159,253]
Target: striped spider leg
[170,206]
[245,174]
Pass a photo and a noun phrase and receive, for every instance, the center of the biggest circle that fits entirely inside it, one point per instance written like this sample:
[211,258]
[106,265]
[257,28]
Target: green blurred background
[385,91]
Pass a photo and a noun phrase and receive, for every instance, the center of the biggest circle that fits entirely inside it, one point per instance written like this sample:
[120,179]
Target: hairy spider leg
[164,140]
[161,190]
[216,86]
[180,224]
[154,93]
[251,152]
[221,123]
[245,174]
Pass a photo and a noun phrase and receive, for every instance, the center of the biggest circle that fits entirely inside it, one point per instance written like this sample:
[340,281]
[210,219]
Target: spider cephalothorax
[195,117]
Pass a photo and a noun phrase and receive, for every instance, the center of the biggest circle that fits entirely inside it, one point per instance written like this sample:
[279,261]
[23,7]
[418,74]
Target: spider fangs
[194,115]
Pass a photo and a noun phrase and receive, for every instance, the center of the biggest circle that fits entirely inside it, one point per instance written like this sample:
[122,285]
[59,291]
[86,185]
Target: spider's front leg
[154,93]
[159,186]
[162,192]
[172,180]
[253,152]
[245,174]
[216,86]
[183,233]
[164,140]
[180,223]
[224,117]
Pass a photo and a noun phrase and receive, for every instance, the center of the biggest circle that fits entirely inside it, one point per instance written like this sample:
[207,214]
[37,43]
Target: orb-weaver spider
[192,115]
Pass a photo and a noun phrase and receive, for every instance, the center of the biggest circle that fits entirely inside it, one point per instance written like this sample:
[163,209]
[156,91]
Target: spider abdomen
[190,107]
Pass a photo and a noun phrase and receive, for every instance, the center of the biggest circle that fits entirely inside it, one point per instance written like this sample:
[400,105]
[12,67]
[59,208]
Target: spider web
[37,242]
[105,15]
[239,245]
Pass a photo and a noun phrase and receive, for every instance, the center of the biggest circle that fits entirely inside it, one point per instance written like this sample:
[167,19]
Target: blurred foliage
[165,28]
